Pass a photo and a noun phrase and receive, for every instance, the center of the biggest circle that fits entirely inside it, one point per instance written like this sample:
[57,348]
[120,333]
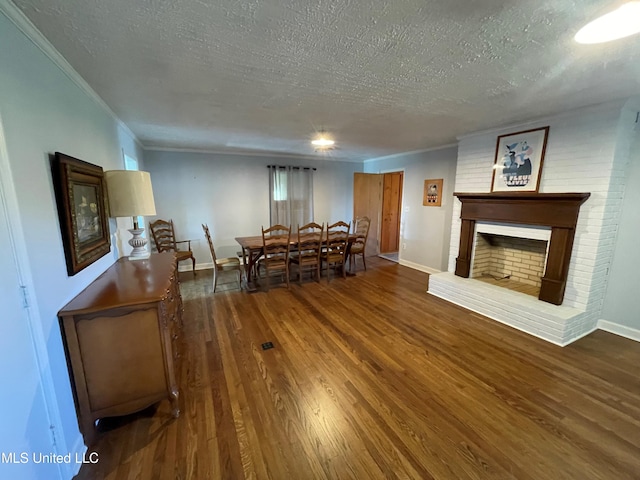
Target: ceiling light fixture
[322,141]
[620,23]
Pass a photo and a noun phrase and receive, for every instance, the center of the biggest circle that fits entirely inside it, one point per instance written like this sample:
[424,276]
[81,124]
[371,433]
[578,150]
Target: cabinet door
[122,360]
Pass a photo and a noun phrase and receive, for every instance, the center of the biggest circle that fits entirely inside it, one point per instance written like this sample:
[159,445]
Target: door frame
[400,213]
[10,214]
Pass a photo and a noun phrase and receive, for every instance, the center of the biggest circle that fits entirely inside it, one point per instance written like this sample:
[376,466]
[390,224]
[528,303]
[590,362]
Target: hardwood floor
[372,378]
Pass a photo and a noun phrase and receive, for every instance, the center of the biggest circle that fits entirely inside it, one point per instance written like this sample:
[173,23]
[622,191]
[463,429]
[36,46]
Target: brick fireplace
[588,150]
[543,222]
[557,211]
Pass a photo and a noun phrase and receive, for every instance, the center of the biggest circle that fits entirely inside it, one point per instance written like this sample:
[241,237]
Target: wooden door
[367,201]
[391,210]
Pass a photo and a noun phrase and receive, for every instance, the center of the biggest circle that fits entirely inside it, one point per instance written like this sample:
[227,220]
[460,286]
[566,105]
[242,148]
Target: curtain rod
[289,166]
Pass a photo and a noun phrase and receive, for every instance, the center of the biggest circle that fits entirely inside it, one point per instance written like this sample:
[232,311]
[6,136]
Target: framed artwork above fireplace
[518,162]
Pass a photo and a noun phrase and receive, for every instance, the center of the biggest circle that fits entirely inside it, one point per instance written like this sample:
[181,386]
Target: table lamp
[131,195]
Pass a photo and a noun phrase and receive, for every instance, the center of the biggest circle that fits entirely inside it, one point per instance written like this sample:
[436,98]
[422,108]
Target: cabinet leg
[89,431]
[175,407]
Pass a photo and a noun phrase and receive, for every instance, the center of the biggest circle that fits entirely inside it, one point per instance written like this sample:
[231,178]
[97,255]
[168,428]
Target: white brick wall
[587,151]
[557,324]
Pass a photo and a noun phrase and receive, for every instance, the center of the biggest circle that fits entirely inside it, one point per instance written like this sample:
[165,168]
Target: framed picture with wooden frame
[518,162]
[432,196]
[82,209]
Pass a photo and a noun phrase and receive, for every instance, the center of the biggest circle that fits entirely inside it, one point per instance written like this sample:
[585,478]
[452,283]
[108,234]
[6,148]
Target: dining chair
[276,244]
[361,230]
[164,237]
[335,248]
[222,264]
[309,247]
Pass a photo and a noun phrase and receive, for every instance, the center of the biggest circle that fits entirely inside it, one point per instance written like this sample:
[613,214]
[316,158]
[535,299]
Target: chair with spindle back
[335,248]
[164,238]
[309,247]
[276,244]
[361,230]
[222,264]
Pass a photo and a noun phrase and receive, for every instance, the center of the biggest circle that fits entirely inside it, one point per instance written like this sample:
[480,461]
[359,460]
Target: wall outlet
[404,246]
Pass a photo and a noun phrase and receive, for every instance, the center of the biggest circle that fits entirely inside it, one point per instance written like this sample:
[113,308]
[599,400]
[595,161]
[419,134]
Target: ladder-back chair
[307,257]
[276,244]
[361,230]
[222,264]
[335,249]
[164,237]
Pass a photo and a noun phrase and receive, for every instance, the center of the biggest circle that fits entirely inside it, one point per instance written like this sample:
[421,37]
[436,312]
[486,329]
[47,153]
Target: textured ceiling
[382,76]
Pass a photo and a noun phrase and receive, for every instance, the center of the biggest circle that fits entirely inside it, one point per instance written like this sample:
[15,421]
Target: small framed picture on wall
[432,196]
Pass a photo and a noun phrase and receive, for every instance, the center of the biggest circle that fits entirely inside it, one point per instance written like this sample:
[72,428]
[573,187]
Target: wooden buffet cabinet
[121,338]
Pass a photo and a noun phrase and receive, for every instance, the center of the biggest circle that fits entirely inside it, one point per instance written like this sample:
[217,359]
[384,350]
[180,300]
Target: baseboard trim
[199,266]
[417,266]
[77,452]
[620,330]
[186,267]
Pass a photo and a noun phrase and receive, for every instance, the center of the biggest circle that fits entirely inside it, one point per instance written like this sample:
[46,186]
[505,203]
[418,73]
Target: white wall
[230,193]
[44,111]
[621,313]
[424,230]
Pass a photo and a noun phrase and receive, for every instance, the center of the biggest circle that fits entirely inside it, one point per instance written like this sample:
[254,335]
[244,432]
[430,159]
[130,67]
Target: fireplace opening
[510,262]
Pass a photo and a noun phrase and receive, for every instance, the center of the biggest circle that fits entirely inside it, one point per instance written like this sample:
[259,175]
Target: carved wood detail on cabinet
[121,338]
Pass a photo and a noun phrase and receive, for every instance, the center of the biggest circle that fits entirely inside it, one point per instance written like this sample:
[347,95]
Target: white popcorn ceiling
[382,76]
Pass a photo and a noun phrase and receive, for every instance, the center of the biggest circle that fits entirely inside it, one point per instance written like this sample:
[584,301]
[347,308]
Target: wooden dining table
[252,250]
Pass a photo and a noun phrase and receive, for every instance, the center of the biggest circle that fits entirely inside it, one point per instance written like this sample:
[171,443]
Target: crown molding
[412,152]
[150,148]
[20,20]
[545,120]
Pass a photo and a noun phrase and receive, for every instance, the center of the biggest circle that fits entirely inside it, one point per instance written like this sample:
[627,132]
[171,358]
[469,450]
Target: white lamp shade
[130,193]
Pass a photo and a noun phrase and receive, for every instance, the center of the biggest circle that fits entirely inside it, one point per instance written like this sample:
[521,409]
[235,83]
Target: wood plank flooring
[372,378]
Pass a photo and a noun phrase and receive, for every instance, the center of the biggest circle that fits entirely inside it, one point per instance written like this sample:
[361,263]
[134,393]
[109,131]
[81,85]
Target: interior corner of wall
[633,103]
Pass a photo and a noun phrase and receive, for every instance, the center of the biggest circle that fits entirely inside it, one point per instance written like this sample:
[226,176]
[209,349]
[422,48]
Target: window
[280,185]
[291,195]
[131,163]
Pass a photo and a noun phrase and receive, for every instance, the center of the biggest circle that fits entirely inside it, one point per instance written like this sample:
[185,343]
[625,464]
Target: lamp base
[138,243]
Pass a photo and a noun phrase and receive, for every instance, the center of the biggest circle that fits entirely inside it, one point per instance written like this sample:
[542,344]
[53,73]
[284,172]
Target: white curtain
[291,195]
